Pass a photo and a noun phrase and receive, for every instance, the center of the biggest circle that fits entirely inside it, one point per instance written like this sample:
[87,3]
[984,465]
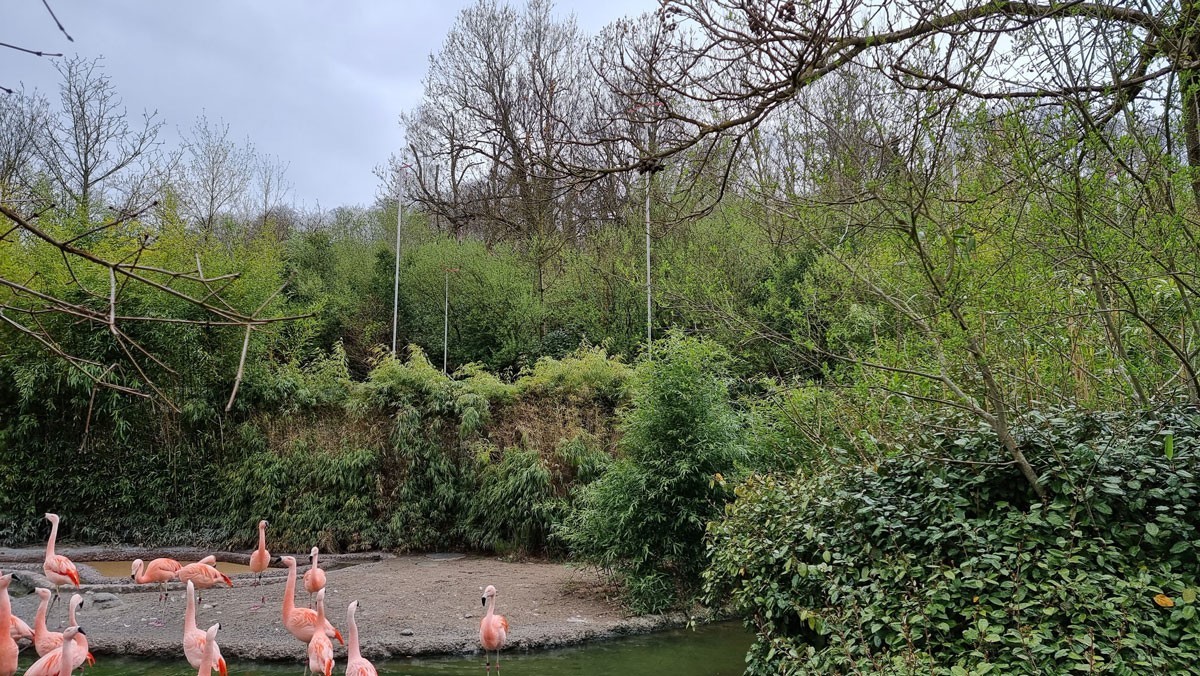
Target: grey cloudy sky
[318,84]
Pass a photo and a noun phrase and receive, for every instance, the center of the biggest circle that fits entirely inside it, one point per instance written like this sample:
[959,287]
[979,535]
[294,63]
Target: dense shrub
[645,517]
[922,565]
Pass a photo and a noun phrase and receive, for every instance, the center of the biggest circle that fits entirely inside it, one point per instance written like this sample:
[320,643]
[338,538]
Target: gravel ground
[409,605]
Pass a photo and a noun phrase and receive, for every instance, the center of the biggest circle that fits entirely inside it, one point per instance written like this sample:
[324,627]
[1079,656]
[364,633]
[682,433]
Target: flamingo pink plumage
[301,622]
[203,574]
[46,641]
[61,662]
[160,571]
[320,649]
[58,568]
[356,665]
[18,629]
[493,629]
[314,577]
[210,652]
[8,647]
[195,642]
[260,560]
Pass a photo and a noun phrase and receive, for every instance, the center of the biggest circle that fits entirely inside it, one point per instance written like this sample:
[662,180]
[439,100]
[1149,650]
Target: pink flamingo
[356,665]
[58,568]
[8,647]
[260,560]
[41,641]
[159,571]
[63,661]
[46,641]
[320,648]
[314,577]
[203,574]
[195,642]
[210,652]
[301,622]
[493,629]
[20,630]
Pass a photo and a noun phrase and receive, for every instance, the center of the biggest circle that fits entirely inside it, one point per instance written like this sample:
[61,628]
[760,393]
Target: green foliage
[587,373]
[312,497]
[921,565]
[645,517]
[514,505]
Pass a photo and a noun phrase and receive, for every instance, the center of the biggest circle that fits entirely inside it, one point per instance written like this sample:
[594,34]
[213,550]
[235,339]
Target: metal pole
[649,296]
[446,325]
[396,282]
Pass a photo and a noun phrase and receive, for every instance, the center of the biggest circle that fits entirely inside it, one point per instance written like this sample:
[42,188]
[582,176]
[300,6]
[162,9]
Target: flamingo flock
[62,653]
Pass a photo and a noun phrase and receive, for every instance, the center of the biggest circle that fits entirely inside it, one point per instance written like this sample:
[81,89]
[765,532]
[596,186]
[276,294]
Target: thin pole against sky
[649,295]
[649,169]
[399,230]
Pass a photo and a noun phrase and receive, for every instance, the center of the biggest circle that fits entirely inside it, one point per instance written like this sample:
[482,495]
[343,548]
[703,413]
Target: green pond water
[712,650]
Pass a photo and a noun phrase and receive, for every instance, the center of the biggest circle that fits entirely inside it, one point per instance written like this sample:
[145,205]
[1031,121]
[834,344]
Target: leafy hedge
[927,566]
[403,460]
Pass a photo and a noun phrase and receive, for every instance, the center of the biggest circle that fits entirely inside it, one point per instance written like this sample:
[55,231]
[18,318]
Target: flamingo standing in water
[493,629]
[195,642]
[46,641]
[58,568]
[61,662]
[159,571]
[210,650]
[314,577]
[320,648]
[356,665]
[301,622]
[8,647]
[203,574]
[260,560]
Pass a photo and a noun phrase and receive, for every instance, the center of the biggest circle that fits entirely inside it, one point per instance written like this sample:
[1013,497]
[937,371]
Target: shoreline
[420,605]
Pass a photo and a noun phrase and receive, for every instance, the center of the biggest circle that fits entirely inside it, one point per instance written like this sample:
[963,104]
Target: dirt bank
[410,605]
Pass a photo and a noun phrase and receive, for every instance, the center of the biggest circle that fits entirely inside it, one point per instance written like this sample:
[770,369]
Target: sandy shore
[409,605]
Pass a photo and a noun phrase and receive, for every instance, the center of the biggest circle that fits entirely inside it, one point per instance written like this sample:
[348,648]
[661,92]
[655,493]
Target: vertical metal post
[446,325]
[396,282]
[649,296]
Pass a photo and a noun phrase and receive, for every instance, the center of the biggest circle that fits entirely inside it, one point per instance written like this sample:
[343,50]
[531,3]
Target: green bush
[926,566]
[588,372]
[312,497]
[645,517]
[514,505]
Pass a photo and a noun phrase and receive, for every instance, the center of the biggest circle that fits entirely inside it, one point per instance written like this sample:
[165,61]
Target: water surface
[713,650]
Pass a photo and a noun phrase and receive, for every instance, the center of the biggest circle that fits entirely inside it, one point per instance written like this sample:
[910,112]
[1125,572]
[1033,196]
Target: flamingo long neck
[320,614]
[39,620]
[316,555]
[71,615]
[206,662]
[262,537]
[140,576]
[289,593]
[491,607]
[65,667]
[50,542]
[189,613]
[353,651]
[6,610]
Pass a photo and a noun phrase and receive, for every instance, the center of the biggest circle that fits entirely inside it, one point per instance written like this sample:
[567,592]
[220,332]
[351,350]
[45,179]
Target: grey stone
[406,632]
[105,600]
[25,581]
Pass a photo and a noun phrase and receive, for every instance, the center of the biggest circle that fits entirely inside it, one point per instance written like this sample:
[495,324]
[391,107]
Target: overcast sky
[319,84]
